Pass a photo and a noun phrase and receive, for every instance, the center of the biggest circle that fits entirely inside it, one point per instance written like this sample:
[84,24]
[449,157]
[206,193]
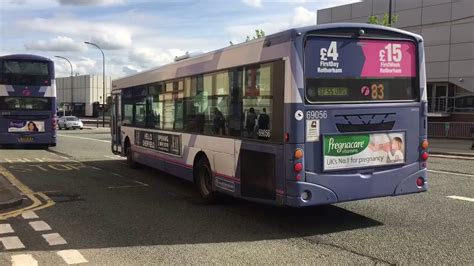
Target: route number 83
[377,91]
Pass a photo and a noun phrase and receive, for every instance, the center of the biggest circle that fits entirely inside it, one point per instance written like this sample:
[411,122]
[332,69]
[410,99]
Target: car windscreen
[360,70]
[22,72]
[72,119]
[25,103]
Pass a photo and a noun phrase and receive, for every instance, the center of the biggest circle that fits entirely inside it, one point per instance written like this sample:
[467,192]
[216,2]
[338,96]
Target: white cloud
[253,3]
[146,57]
[130,70]
[303,17]
[60,43]
[108,36]
[90,2]
[80,65]
[299,18]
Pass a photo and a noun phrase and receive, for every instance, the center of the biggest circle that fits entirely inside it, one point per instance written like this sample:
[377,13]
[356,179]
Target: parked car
[70,122]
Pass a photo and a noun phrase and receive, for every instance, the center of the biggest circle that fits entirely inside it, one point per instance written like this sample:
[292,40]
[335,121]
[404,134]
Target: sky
[136,35]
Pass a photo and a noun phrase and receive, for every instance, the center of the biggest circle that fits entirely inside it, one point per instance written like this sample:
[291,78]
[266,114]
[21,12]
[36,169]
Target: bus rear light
[287,137]
[420,181]
[424,144]
[298,178]
[298,167]
[298,154]
[54,122]
[424,156]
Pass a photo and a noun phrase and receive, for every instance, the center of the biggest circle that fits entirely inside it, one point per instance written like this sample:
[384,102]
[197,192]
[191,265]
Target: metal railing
[459,130]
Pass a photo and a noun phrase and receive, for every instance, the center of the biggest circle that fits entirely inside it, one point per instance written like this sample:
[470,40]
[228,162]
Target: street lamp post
[72,73]
[103,80]
[389,12]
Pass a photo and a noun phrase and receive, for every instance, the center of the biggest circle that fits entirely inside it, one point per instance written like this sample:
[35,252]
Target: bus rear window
[360,70]
[20,72]
[25,103]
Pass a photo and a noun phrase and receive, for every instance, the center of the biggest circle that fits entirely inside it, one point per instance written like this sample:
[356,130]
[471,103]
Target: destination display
[167,143]
[25,126]
[348,69]
[363,150]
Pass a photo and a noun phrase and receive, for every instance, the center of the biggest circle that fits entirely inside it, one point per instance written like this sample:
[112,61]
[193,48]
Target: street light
[72,73]
[390,13]
[103,80]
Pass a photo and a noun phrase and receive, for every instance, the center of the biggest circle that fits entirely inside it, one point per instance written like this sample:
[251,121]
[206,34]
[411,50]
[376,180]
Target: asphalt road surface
[103,212]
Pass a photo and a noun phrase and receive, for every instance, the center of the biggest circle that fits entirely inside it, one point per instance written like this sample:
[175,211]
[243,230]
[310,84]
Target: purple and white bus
[27,100]
[308,116]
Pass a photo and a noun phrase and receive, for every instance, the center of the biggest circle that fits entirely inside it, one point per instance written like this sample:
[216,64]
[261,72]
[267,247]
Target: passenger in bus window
[250,122]
[219,122]
[263,131]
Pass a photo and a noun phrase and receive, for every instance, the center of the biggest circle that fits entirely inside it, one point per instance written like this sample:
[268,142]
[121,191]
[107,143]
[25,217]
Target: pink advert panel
[388,58]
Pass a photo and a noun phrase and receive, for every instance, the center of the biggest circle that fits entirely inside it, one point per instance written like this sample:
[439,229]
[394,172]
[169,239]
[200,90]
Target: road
[106,213]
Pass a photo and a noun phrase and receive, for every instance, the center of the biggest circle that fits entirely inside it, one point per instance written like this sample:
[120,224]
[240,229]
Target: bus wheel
[203,180]
[130,161]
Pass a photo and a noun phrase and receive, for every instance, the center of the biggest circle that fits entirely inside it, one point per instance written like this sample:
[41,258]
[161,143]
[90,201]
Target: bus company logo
[365,90]
[26,92]
[345,145]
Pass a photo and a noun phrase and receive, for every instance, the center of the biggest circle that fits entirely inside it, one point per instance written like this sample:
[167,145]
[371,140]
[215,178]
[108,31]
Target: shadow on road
[100,204]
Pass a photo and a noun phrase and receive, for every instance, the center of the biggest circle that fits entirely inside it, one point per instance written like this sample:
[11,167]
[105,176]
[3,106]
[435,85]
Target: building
[86,96]
[447,27]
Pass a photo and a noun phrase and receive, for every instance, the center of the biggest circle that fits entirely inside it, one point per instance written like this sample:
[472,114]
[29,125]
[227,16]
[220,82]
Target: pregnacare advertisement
[363,150]
[26,126]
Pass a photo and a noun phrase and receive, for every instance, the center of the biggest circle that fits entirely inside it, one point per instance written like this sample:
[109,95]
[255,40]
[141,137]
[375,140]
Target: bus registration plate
[26,139]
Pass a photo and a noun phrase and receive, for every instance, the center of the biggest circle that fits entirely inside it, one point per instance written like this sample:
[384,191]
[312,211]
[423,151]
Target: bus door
[115,125]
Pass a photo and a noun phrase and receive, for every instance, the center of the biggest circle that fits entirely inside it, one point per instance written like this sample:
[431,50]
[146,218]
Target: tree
[383,21]
[259,33]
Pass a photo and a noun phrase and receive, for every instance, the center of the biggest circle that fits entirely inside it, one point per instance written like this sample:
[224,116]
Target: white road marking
[461,198]
[119,175]
[449,173]
[140,183]
[40,226]
[24,260]
[29,215]
[6,228]
[467,157]
[11,242]
[72,256]
[54,239]
[100,140]
[130,186]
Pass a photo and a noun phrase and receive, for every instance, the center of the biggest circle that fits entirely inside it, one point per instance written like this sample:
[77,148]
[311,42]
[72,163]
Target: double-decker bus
[307,116]
[27,100]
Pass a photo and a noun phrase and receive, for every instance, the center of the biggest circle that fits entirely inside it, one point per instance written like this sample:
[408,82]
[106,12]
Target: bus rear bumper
[301,194]
[37,139]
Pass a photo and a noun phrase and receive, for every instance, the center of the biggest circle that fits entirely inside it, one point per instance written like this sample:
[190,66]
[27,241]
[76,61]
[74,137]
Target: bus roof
[249,51]
[25,57]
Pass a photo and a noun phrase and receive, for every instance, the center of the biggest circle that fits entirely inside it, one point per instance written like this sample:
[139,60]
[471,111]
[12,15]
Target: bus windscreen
[360,70]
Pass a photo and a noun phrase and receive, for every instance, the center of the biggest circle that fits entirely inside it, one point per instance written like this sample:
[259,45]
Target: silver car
[70,122]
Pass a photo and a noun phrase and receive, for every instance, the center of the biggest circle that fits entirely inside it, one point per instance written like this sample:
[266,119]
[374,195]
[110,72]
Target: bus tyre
[203,180]
[130,161]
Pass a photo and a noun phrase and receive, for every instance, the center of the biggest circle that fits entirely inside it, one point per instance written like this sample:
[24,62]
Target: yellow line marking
[36,205]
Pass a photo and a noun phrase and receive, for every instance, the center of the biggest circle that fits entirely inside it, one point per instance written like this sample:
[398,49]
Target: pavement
[451,147]
[10,196]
